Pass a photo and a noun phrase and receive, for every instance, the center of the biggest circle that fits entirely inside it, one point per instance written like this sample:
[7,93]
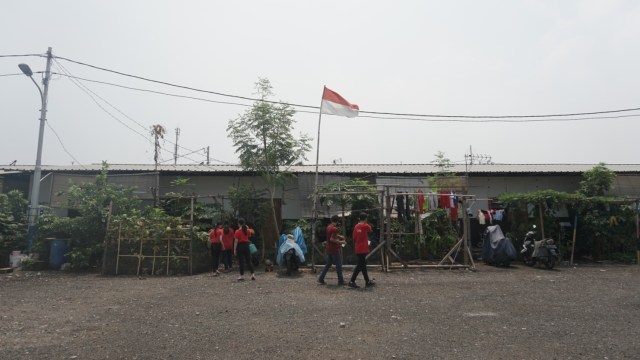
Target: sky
[471,58]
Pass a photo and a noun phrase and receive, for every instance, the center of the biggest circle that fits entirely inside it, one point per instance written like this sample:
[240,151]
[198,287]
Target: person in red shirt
[216,248]
[333,246]
[241,248]
[361,241]
[227,243]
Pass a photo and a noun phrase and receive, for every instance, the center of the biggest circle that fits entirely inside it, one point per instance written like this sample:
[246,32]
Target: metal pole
[35,187]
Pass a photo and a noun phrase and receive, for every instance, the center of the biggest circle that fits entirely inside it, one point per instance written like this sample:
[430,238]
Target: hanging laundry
[499,215]
[444,200]
[433,200]
[421,203]
[481,218]
[400,201]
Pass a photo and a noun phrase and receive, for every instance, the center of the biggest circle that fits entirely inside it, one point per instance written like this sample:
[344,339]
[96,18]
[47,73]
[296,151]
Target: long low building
[211,182]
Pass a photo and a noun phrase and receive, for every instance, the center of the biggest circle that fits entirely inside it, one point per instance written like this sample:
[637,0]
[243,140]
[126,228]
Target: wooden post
[465,232]
[118,252]
[106,236]
[388,239]
[191,242]
[573,244]
[637,231]
[541,221]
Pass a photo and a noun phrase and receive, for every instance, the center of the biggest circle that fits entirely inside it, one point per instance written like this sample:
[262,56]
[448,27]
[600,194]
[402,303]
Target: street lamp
[35,187]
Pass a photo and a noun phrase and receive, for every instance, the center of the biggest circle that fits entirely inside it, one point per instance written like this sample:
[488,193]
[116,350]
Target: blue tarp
[299,245]
[297,234]
[284,247]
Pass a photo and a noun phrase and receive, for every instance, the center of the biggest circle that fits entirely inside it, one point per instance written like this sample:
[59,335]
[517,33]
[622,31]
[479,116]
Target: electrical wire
[159,92]
[461,120]
[75,80]
[497,120]
[22,55]
[183,86]
[63,147]
[361,111]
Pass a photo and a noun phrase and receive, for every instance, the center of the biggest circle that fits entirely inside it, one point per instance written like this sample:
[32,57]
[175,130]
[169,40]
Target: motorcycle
[289,254]
[543,251]
[291,261]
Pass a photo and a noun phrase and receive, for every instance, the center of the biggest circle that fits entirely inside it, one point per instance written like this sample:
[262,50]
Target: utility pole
[207,155]
[35,187]
[175,151]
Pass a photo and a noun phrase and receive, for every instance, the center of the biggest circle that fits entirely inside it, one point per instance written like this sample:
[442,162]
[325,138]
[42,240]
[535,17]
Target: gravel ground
[583,312]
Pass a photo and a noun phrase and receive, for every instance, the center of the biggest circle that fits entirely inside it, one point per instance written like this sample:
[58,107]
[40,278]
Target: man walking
[332,248]
[361,240]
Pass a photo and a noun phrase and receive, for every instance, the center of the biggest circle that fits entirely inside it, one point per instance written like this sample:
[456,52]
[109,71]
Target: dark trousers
[361,266]
[244,255]
[215,256]
[227,258]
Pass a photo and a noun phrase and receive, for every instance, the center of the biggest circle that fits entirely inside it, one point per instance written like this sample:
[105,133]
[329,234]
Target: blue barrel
[57,252]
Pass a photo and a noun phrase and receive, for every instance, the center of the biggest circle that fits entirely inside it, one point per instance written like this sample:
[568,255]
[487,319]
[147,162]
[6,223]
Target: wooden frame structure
[385,247]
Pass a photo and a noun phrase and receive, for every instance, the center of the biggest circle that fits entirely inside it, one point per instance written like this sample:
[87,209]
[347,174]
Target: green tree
[596,181]
[88,230]
[13,223]
[264,142]
[444,177]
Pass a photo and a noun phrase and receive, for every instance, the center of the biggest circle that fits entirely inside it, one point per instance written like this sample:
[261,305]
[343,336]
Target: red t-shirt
[361,237]
[332,233]
[242,238]
[227,239]
[214,236]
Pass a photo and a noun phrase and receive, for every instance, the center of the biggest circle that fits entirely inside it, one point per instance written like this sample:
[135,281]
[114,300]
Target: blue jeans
[332,259]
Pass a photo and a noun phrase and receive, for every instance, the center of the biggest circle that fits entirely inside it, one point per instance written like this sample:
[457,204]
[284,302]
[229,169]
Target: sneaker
[241,278]
[321,282]
[253,277]
[340,283]
[353,285]
[369,284]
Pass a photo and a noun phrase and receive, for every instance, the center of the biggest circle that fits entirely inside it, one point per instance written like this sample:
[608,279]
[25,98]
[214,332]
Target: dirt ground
[581,312]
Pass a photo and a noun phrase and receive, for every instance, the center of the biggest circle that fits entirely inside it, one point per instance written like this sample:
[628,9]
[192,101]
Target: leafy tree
[264,142]
[87,230]
[596,181]
[350,194]
[13,222]
[444,178]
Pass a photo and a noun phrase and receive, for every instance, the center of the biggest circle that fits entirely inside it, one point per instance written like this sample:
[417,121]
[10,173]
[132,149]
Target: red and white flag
[334,104]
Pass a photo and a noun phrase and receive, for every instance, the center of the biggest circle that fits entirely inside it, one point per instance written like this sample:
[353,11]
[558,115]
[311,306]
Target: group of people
[225,242]
[333,249]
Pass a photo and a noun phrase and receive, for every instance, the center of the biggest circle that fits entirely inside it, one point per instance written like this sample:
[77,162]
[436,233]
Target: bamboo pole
[191,242]
[118,253]
[106,236]
[573,243]
[541,221]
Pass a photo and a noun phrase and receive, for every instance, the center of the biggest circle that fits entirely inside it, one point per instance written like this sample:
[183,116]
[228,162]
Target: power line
[183,86]
[87,91]
[496,120]
[63,147]
[22,55]
[461,120]
[362,111]
[157,92]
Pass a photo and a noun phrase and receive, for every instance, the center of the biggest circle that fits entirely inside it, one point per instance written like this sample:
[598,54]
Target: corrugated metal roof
[339,168]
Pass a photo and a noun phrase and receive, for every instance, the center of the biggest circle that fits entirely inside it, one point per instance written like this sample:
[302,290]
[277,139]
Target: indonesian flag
[334,104]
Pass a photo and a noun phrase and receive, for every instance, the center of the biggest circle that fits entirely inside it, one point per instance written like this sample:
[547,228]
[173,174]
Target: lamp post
[35,185]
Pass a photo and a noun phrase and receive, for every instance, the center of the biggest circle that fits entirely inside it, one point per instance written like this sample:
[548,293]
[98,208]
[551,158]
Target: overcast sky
[411,57]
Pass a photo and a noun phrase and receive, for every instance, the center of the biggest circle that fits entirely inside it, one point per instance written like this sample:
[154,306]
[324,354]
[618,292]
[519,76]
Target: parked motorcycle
[539,251]
[289,254]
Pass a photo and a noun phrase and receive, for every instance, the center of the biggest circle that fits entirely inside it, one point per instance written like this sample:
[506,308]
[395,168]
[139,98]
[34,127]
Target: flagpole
[314,213]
